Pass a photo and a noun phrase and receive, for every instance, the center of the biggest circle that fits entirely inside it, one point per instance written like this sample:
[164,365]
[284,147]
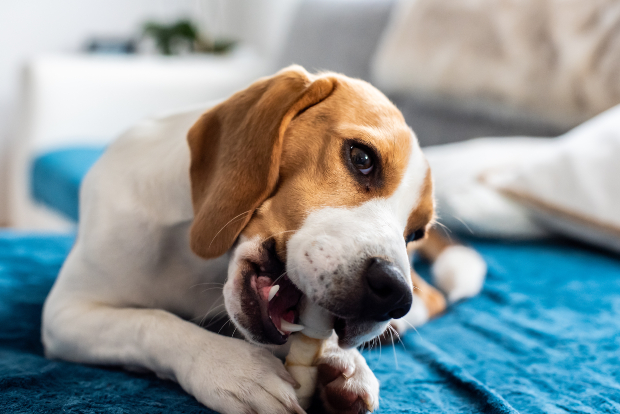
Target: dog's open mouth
[278,300]
[277,314]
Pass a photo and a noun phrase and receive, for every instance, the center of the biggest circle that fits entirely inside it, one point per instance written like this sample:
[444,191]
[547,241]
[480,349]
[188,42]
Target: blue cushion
[542,337]
[57,175]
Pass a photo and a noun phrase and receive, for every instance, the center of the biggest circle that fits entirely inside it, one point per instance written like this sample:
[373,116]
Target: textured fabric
[558,59]
[465,204]
[438,121]
[57,175]
[542,337]
[29,383]
[571,185]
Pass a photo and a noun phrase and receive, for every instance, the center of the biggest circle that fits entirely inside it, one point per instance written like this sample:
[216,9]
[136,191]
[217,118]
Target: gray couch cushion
[438,122]
[343,35]
[337,35]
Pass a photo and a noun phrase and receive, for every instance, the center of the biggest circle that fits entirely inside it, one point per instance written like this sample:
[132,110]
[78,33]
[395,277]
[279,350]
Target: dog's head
[317,182]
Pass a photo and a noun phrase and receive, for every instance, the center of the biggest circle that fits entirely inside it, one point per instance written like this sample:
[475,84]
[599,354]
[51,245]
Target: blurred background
[74,74]
[77,73]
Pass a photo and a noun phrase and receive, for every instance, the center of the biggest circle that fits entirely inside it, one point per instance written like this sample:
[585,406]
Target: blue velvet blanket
[543,337]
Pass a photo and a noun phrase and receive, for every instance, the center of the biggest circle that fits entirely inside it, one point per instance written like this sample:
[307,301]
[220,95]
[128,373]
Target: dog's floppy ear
[235,154]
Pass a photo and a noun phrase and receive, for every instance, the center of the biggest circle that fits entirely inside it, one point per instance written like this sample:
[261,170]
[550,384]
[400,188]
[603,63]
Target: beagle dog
[300,185]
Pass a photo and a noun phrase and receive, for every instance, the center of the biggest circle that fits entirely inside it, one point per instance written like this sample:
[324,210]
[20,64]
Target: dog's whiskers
[211,288]
[393,347]
[207,283]
[212,308]
[413,327]
[214,317]
[446,231]
[277,234]
[202,320]
[464,224]
[398,336]
[225,323]
[278,278]
[230,221]
[206,325]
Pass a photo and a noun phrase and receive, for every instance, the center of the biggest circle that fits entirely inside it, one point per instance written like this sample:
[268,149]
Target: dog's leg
[226,374]
[459,271]
[346,385]
[433,300]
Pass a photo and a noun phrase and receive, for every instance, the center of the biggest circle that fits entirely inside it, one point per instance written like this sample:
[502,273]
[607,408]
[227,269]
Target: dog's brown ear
[235,154]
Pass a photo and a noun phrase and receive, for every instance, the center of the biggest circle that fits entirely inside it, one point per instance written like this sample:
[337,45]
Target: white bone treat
[306,347]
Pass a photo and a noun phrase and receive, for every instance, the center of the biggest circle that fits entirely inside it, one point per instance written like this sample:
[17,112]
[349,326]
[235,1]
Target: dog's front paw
[346,385]
[248,379]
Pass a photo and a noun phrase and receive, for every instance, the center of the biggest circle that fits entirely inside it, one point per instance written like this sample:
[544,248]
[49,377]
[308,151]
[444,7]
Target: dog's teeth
[272,292]
[291,327]
[281,333]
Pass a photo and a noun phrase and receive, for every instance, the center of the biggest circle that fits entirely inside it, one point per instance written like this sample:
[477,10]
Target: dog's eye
[416,235]
[361,160]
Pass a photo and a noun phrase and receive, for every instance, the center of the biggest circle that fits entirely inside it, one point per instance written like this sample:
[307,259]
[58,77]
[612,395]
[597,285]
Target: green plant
[183,33]
[165,36]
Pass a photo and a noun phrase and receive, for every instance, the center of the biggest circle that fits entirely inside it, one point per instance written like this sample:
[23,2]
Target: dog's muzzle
[360,304]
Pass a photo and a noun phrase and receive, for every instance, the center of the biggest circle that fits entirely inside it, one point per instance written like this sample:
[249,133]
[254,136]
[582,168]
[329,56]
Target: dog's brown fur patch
[269,155]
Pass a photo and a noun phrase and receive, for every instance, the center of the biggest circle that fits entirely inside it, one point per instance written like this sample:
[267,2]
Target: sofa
[542,337]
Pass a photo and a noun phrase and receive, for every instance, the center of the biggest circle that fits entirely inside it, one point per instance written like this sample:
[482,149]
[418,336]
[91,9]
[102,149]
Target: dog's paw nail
[369,401]
[348,371]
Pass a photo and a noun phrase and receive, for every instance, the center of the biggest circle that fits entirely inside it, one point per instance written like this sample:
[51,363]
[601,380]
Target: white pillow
[572,187]
[464,203]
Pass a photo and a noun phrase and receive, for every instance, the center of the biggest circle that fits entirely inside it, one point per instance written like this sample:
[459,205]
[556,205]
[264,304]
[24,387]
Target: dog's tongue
[263,285]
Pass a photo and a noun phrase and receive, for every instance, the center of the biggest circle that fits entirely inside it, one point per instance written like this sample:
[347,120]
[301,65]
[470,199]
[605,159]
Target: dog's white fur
[131,286]
[333,238]
[131,272]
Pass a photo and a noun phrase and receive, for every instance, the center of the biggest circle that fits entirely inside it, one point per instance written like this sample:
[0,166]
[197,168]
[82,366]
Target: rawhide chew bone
[306,347]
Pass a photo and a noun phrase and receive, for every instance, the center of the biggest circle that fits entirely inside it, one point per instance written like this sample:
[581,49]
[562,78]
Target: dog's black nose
[387,294]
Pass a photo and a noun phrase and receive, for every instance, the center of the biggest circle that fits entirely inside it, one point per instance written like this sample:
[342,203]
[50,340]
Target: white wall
[260,23]
[33,27]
